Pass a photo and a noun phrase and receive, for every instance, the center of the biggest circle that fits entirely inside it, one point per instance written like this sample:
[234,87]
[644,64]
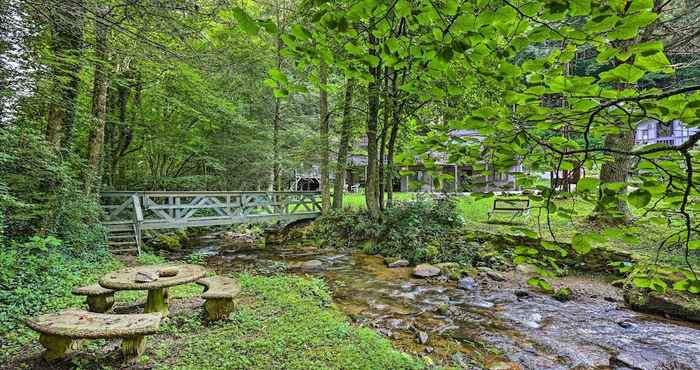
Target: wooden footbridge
[127,214]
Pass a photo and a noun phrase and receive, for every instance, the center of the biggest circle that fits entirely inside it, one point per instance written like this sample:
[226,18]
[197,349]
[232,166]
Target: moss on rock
[674,304]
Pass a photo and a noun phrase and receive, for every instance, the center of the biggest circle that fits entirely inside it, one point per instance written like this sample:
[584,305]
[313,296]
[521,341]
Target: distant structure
[655,132]
[419,178]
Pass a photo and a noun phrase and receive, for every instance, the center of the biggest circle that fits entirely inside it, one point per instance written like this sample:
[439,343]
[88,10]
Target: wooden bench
[61,332]
[512,206]
[219,292]
[99,299]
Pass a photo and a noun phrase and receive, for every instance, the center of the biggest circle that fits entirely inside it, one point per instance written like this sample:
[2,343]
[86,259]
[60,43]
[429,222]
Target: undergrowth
[424,230]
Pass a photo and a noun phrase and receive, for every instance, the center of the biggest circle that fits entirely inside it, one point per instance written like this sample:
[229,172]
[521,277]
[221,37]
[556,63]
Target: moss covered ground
[281,322]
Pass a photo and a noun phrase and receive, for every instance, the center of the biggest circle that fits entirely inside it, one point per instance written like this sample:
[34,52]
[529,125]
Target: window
[644,134]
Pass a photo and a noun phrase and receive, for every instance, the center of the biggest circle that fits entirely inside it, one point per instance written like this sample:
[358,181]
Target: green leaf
[540,283]
[352,49]
[245,21]
[277,75]
[682,285]
[623,73]
[658,285]
[587,184]
[581,243]
[638,5]
[694,287]
[657,62]
[372,60]
[641,282]
[694,245]
[639,198]
[402,8]
[300,32]
[580,7]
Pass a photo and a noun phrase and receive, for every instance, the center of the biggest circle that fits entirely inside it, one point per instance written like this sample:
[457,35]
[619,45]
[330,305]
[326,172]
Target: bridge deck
[167,210]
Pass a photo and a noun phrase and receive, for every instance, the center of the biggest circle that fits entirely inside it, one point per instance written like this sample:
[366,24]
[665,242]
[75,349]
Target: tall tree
[99,98]
[372,180]
[323,130]
[343,146]
[276,181]
[66,46]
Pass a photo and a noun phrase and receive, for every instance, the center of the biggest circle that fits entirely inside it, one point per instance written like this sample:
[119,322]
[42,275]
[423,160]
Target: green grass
[285,322]
[642,238]
[357,200]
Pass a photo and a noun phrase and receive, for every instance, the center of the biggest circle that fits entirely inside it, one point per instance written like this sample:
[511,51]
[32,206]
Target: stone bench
[62,332]
[219,292]
[99,299]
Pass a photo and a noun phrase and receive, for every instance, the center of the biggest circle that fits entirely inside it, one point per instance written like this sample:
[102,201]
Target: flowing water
[497,327]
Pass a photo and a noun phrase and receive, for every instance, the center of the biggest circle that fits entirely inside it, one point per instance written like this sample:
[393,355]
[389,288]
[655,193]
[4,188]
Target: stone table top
[126,279]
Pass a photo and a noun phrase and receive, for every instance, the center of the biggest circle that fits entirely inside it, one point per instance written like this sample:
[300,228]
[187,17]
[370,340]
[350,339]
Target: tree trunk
[616,171]
[66,46]
[323,112]
[121,134]
[343,147]
[275,178]
[371,184]
[388,112]
[390,157]
[99,102]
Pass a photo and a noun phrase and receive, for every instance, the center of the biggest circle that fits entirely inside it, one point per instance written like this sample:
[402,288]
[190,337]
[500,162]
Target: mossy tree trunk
[323,130]
[343,146]
[66,46]
[99,102]
[615,171]
[372,181]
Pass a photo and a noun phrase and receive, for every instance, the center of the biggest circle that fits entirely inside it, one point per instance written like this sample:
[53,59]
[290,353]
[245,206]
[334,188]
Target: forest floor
[643,237]
[280,322]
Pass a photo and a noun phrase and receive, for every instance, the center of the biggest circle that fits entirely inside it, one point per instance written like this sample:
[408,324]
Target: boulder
[492,274]
[526,269]
[307,265]
[563,294]
[647,359]
[398,263]
[466,283]
[672,303]
[426,270]
[422,337]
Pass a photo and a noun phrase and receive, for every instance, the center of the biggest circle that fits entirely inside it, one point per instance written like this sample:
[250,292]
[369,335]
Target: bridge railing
[157,210]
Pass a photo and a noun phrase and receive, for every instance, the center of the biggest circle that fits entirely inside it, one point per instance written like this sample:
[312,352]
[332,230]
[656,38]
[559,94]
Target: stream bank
[495,323]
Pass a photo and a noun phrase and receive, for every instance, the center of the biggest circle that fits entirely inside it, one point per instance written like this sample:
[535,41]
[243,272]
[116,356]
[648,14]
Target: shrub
[38,275]
[51,239]
[42,193]
[424,230]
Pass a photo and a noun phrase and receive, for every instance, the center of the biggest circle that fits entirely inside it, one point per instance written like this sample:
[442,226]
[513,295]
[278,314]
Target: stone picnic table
[155,279]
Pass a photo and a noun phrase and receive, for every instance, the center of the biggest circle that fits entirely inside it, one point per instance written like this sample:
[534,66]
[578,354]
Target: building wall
[653,132]
[421,181]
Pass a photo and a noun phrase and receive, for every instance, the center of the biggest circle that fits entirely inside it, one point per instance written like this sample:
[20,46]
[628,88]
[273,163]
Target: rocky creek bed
[490,322]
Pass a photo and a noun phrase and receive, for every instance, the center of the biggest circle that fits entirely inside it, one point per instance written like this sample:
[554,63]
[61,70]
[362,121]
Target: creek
[491,325]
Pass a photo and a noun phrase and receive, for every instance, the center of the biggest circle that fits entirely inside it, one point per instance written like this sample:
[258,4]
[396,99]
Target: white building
[654,132]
